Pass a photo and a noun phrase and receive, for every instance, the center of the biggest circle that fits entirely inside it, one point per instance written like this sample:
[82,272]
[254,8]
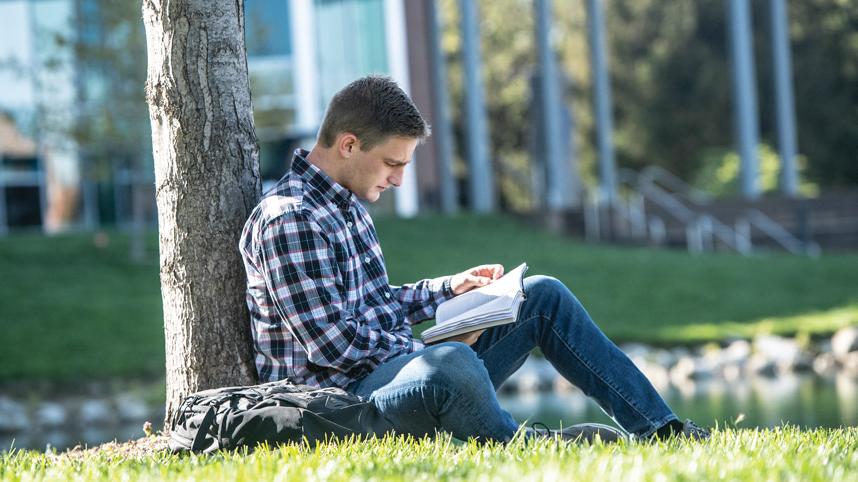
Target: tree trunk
[206,183]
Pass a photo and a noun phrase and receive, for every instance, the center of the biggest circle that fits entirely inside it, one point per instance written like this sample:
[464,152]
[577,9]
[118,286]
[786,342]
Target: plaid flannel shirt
[322,311]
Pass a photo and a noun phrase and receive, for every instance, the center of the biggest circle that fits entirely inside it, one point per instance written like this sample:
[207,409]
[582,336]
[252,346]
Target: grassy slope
[779,454]
[68,308]
[639,293]
[74,309]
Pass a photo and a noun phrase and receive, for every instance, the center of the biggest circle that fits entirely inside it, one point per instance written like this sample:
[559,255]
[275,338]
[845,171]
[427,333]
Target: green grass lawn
[69,309]
[782,454]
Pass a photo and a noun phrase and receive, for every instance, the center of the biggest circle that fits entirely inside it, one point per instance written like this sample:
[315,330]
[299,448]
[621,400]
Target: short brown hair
[372,108]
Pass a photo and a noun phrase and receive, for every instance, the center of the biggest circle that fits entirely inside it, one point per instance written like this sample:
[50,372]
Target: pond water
[803,400]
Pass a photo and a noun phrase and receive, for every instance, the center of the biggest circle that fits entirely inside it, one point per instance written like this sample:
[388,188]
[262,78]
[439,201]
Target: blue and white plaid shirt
[322,311]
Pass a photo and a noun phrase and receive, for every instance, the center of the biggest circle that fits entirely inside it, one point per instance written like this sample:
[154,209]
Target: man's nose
[395,177]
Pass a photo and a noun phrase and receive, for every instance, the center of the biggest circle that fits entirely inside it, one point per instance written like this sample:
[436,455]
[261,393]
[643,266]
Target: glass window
[23,206]
[350,40]
[267,31]
[16,87]
[269,59]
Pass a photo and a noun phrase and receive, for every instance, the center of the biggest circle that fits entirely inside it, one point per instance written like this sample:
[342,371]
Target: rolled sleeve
[420,300]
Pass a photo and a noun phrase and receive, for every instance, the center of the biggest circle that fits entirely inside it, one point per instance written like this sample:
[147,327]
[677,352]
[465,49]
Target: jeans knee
[550,297]
[547,287]
[455,365]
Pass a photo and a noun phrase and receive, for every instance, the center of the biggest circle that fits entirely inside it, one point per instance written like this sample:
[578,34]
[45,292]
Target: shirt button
[366,259]
[387,295]
[349,224]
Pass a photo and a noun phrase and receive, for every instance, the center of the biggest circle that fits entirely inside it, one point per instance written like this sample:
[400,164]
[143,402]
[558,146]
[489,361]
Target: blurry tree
[111,125]
[670,75]
[207,181]
[671,82]
[719,172]
[101,50]
[508,53]
[824,37]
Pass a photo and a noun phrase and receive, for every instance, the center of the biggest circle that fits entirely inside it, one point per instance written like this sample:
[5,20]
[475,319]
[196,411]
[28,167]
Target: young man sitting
[324,314]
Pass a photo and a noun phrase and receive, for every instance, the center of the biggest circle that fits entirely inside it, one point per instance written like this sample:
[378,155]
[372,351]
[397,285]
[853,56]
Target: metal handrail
[740,237]
[755,217]
[701,227]
[669,202]
[652,173]
[694,221]
[633,210]
[645,186]
[730,236]
[777,233]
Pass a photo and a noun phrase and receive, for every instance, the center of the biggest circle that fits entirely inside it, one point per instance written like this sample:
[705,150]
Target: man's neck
[323,159]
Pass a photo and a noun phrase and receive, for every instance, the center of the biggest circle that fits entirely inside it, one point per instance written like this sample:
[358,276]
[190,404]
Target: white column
[304,65]
[397,64]
[480,175]
[784,102]
[602,97]
[558,196]
[745,94]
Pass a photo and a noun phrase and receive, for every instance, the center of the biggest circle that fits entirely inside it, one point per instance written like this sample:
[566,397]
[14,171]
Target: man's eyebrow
[395,161]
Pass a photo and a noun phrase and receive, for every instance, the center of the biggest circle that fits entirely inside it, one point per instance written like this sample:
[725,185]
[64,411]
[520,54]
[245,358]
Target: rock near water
[844,341]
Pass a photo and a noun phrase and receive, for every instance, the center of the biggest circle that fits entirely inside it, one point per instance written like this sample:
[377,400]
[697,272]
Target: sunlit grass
[785,453]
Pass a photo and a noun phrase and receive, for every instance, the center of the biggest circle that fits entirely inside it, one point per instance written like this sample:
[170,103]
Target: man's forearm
[419,300]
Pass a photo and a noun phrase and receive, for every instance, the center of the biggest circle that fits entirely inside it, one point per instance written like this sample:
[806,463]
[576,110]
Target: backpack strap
[203,430]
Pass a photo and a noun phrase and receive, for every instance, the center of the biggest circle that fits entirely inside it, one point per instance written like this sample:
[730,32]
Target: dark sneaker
[582,432]
[691,431]
[686,430]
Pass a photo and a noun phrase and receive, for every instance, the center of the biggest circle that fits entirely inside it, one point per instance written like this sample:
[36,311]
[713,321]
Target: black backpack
[275,412]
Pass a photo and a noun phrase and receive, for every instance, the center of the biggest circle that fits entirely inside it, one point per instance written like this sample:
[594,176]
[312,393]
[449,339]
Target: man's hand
[475,277]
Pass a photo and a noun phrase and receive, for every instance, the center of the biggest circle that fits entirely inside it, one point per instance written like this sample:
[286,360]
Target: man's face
[370,173]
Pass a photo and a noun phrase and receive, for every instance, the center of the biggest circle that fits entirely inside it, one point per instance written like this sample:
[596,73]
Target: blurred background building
[74,134]
[40,164]
[704,124]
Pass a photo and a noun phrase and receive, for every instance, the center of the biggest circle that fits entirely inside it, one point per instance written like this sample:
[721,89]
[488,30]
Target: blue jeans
[452,386]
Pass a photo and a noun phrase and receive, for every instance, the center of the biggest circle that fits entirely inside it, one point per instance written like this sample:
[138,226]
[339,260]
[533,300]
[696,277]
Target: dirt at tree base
[133,449]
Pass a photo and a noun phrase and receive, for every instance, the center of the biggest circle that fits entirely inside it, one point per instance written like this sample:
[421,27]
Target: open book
[494,304]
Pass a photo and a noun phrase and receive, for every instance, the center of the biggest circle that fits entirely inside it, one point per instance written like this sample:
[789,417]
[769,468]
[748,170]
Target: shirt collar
[321,182]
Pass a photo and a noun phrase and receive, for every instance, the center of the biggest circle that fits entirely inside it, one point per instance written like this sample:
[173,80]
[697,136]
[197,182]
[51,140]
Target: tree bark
[206,182]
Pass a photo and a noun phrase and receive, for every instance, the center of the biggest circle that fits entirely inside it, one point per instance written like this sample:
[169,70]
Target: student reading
[324,314]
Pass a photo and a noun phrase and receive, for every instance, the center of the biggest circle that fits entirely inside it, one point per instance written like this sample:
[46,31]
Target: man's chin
[371,196]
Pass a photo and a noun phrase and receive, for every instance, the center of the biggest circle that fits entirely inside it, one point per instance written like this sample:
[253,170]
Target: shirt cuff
[447,289]
[416,345]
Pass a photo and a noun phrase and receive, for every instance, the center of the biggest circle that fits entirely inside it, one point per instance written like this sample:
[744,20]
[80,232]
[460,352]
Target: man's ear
[347,143]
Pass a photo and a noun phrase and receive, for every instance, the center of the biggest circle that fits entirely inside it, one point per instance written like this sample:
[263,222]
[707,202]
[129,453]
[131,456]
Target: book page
[505,287]
[492,305]
[508,284]
[463,303]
